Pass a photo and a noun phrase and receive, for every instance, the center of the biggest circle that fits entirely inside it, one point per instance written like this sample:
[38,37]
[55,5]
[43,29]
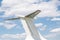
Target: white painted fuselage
[30,29]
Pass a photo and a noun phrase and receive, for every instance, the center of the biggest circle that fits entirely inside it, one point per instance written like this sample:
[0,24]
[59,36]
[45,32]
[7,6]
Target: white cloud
[8,24]
[24,7]
[22,36]
[41,26]
[55,30]
[31,1]
[1,23]
[48,9]
[54,34]
[55,19]
[15,36]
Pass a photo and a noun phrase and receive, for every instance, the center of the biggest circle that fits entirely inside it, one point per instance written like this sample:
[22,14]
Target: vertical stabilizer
[29,25]
[30,28]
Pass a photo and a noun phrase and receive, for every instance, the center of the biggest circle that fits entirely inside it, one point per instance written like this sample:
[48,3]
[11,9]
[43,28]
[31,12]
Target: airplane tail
[32,15]
[28,24]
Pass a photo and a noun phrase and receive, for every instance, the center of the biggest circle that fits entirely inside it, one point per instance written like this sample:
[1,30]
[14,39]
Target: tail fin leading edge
[32,15]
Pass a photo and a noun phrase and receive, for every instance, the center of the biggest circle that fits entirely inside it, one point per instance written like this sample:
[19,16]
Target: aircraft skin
[32,15]
[29,26]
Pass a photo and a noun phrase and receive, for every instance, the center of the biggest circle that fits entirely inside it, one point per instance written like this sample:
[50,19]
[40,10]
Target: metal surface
[29,26]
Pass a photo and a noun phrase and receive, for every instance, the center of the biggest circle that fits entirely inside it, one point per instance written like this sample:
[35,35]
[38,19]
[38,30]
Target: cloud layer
[24,7]
[13,36]
[54,34]
[7,24]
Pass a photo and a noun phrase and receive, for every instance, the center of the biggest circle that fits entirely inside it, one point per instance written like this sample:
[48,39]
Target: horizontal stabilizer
[32,15]
[13,18]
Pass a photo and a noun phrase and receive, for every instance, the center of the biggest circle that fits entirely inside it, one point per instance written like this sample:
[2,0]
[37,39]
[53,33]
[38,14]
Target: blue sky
[47,22]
